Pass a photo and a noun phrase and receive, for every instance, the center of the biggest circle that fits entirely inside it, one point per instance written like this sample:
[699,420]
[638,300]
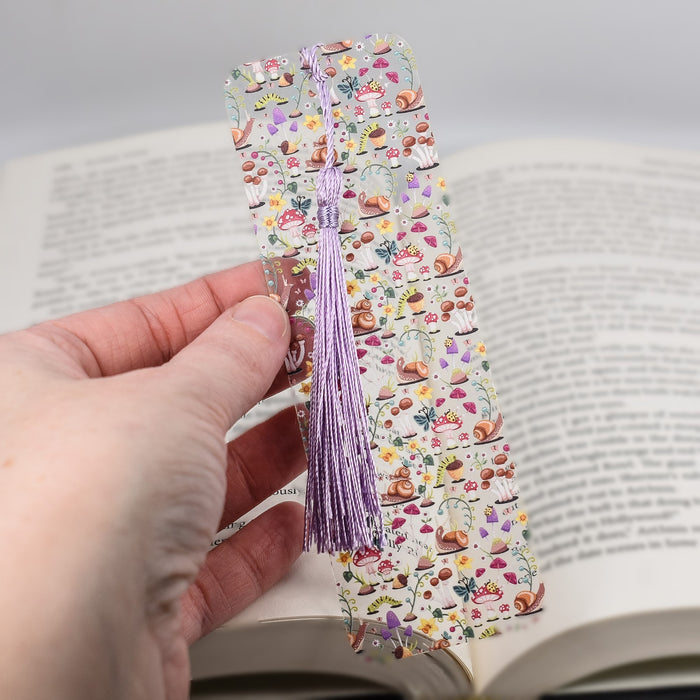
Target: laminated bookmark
[412,483]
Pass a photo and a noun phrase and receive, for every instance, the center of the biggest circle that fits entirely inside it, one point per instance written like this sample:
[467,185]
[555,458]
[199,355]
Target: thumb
[230,366]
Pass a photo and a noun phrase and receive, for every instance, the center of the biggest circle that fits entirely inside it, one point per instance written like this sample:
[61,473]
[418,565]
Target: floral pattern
[457,558]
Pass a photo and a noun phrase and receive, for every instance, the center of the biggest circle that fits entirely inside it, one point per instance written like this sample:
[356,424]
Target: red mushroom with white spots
[447,425]
[293,165]
[292,220]
[368,558]
[408,258]
[487,595]
[393,155]
[370,93]
[431,320]
[360,113]
[309,232]
[272,66]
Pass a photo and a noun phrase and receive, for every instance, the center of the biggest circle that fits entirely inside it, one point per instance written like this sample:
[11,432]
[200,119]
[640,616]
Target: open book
[586,273]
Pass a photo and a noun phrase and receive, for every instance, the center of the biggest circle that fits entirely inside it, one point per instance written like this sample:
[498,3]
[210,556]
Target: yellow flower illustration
[522,517]
[344,557]
[309,367]
[346,62]
[305,388]
[337,113]
[428,627]
[353,287]
[351,145]
[480,347]
[385,226]
[269,222]
[389,309]
[312,122]
[424,392]
[463,562]
[375,277]
[276,201]
[427,478]
[441,183]
[388,454]
[413,445]
[453,616]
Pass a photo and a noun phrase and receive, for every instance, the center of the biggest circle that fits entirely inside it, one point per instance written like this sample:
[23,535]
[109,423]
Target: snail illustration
[409,372]
[362,318]
[447,264]
[488,430]
[240,136]
[372,206]
[401,473]
[450,541]
[408,100]
[358,638]
[527,602]
[402,489]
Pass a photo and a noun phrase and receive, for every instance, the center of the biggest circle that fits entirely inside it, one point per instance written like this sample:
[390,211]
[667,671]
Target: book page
[583,259]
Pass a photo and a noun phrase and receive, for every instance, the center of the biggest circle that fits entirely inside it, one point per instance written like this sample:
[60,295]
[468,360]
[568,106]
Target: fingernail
[264,315]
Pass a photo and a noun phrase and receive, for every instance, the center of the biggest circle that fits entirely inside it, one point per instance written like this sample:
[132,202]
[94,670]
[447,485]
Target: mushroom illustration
[411,509]
[368,558]
[425,271]
[448,424]
[272,66]
[436,445]
[295,354]
[487,595]
[462,321]
[447,601]
[253,191]
[397,277]
[360,114]
[257,70]
[393,155]
[386,570]
[408,258]
[331,73]
[419,150]
[309,232]
[292,220]
[278,119]
[501,479]
[370,93]
[293,165]
[386,106]
[431,320]
[471,487]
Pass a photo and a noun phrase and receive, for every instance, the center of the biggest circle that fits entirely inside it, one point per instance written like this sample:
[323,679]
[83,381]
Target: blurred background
[76,71]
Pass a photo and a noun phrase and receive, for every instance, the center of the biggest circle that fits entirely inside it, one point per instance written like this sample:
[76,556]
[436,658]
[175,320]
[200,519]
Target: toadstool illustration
[292,220]
[409,257]
[293,165]
[370,93]
[447,425]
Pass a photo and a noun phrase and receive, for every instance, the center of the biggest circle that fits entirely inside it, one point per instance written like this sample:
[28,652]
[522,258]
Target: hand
[114,478]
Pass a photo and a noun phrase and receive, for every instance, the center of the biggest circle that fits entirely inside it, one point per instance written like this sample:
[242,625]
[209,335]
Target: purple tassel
[342,505]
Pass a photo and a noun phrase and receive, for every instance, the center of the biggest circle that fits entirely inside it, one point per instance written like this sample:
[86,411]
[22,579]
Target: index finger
[147,331]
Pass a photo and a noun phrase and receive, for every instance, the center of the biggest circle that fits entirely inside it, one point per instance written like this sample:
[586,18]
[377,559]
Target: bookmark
[444,554]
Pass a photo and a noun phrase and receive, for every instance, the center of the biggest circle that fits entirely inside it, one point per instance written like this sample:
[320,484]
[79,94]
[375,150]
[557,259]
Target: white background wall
[75,71]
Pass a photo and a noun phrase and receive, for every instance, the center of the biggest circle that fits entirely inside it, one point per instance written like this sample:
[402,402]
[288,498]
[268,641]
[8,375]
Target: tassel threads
[342,505]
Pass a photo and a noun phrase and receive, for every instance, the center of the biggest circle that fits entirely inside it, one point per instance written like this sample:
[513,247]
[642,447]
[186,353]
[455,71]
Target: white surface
[76,71]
